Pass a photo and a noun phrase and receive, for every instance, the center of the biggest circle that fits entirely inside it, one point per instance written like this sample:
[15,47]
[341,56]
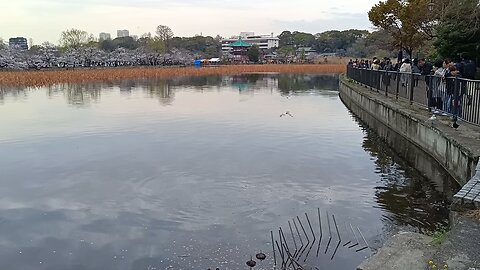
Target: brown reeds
[51,77]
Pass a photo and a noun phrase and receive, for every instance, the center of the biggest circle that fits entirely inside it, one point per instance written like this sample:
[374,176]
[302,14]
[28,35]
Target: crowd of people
[465,68]
[440,78]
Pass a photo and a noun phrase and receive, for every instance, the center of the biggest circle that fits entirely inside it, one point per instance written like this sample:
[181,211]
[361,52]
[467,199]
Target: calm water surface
[195,173]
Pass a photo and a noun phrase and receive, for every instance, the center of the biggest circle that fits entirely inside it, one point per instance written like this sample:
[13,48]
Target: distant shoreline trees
[434,28]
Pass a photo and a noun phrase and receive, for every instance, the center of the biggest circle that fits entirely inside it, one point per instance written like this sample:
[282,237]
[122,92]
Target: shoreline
[38,78]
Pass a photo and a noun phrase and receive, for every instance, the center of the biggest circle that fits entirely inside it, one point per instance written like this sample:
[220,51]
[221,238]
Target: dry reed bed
[50,77]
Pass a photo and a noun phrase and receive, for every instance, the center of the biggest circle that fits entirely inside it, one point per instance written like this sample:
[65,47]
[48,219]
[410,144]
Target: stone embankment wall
[457,151]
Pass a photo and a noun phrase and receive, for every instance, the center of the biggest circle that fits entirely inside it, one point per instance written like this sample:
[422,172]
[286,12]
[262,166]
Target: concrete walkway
[459,250]
[403,251]
[469,196]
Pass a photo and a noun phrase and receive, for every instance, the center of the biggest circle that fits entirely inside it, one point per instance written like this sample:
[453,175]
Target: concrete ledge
[410,251]
[456,150]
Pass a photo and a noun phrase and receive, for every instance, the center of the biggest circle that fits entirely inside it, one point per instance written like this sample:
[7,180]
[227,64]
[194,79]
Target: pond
[194,173]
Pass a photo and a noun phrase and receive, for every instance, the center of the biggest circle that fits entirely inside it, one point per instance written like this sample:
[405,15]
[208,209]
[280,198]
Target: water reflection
[161,90]
[414,189]
[409,198]
[15,93]
[293,83]
[164,89]
[193,173]
[77,95]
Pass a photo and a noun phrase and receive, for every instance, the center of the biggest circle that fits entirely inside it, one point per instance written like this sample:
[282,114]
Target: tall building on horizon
[18,42]
[123,33]
[104,36]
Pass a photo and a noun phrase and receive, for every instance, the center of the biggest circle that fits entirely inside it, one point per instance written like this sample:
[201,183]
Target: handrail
[450,96]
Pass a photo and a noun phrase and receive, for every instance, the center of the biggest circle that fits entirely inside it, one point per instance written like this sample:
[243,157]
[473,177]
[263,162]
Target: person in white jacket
[406,67]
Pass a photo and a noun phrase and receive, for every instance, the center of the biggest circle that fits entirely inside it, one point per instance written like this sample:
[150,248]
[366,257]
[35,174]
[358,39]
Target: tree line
[432,28]
[414,28]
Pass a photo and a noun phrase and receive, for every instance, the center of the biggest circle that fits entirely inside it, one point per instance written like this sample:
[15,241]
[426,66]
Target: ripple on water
[194,173]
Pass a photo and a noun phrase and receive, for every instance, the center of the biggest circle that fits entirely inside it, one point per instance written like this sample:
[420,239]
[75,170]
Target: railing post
[429,92]
[412,80]
[386,82]
[455,100]
[398,85]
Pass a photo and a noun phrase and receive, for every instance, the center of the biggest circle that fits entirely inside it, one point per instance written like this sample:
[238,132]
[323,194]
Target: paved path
[469,195]
[411,251]
[461,249]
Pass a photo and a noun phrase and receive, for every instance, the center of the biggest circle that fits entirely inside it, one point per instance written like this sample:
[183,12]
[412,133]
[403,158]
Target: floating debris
[261,256]
[251,263]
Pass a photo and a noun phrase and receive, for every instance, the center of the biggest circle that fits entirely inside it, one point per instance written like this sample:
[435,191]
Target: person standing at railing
[438,85]
[406,67]
[350,63]
[425,67]
[467,67]
[389,65]
[362,64]
[376,64]
[415,68]
[450,75]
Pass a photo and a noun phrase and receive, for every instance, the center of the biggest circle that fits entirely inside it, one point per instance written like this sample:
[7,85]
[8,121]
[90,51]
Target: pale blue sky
[43,20]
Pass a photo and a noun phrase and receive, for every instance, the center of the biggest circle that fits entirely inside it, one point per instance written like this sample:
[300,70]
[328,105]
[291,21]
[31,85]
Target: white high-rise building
[123,33]
[104,36]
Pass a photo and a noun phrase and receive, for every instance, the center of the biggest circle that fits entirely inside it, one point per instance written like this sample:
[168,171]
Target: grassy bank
[49,77]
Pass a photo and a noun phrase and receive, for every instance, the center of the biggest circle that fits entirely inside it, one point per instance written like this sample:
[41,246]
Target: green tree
[125,42]
[157,45]
[253,54]
[333,41]
[286,39]
[107,45]
[410,22]
[286,52]
[459,30]
[74,38]
[207,46]
[302,39]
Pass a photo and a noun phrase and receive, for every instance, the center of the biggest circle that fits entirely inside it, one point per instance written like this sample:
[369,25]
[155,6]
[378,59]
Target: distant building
[104,36]
[123,33]
[239,50]
[264,42]
[18,42]
[306,51]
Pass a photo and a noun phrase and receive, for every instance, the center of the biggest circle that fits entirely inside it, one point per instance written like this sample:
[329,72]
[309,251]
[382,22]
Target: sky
[44,20]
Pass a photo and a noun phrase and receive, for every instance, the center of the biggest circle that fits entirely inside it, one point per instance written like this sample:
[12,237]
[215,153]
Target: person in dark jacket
[425,68]
[450,75]
[467,67]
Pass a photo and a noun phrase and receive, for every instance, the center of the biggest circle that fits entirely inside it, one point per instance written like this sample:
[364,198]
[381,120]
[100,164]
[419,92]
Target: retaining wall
[412,122]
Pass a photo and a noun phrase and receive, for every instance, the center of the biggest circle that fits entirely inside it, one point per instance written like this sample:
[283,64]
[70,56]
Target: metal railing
[454,96]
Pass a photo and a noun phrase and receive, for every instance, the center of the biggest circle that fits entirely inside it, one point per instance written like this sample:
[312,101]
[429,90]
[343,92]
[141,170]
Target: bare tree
[164,33]
[74,38]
